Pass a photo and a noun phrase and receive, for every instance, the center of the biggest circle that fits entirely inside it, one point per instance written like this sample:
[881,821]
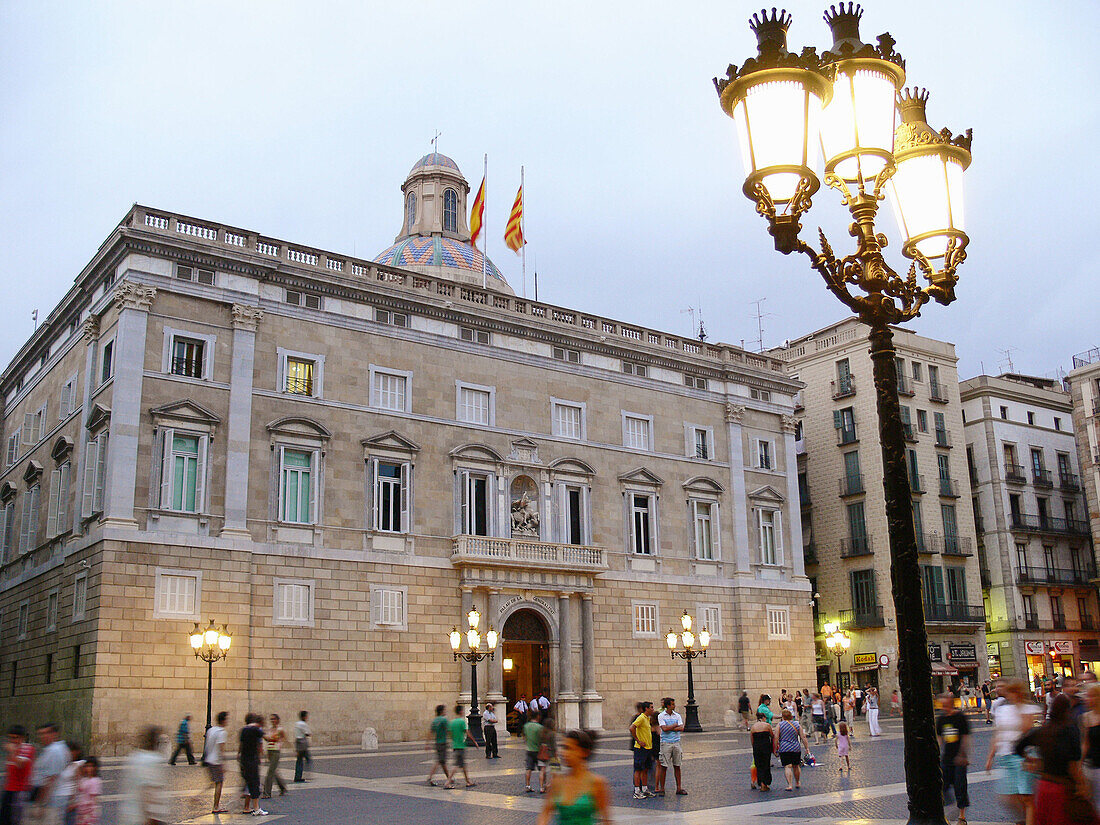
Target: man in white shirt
[671,754]
[302,737]
[143,782]
[543,703]
[51,761]
[521,707]
[213,756]
[489,726]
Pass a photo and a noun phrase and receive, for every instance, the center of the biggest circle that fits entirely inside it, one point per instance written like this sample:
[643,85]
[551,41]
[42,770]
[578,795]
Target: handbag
[544,753]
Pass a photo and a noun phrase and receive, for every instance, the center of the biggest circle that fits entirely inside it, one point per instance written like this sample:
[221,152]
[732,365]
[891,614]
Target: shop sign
[1062,648]
[991,649]
[884,660]
[962,653]
[864,661]
[935,652]
[1034,648]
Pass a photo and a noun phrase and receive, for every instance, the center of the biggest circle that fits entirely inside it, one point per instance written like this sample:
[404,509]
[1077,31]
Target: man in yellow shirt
[642,733]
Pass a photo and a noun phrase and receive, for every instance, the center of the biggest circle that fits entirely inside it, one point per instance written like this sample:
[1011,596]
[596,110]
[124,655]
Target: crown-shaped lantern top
[771,31]
[844,24]
[914,130]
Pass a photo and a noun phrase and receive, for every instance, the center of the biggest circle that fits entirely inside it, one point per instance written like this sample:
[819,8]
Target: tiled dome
[435,159]
[420,251]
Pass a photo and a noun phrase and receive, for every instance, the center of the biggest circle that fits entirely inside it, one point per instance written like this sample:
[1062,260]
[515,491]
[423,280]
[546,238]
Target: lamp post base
[691,718]
[473,721]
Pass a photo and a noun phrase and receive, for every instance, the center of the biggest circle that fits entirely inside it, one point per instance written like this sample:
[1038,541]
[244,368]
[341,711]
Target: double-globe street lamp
[473,655]
[838,642]
[211,645]
[847,102]
[686,640]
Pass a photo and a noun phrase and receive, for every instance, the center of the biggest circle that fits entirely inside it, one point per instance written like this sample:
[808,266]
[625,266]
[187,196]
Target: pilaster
[735,414]
[239,436]
[91,343]
[794,507]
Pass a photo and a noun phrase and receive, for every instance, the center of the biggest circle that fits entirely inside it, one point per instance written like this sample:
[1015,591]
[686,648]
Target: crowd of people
[55,784]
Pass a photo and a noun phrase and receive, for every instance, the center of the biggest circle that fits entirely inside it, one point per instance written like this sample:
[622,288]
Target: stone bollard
[370,740]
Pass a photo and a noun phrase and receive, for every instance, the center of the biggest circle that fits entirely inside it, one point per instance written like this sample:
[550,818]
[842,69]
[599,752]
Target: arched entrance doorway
[527,646]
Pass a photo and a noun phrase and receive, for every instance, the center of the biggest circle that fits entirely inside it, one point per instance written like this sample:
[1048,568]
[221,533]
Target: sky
[301,120]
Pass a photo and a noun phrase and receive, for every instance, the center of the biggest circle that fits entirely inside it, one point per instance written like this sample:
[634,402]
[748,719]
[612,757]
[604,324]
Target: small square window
[637,431]
[1004,413]
[293,603]
[759,395]
[475,336]
[303,299]
[645,620]
[1031,418]
[567,419]
[388,608]
[1057,423]
[475,404]
[177,594]
[572,356]
[695,382]
[390,390]
[632,368]
[710,617]
[779,623]
[394,319]
[191,273]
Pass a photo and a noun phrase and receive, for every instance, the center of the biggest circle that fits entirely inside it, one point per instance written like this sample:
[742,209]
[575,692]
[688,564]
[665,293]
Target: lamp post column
[474,719]
[209,689]
[691,720]
[923,779]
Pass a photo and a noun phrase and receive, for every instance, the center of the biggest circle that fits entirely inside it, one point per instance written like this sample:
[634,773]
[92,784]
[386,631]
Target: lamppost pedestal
[691,709]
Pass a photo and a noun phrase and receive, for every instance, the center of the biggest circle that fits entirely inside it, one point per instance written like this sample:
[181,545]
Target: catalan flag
[513,232]
[477,213]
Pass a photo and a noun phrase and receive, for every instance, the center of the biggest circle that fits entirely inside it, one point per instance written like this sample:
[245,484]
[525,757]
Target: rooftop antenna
[760,316]
[1006,358]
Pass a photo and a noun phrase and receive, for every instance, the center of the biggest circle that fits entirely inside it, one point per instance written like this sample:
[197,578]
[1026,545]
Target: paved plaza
[388,786]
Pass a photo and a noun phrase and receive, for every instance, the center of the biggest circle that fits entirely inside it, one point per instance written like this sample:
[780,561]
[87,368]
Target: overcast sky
[301,120]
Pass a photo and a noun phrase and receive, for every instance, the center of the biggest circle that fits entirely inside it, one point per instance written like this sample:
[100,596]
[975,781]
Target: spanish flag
[513,233]
[477,213]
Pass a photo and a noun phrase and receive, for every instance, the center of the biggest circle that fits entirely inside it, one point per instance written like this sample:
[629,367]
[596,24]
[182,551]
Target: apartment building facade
[339,457]
[1037,565]
[843,505]
[1084,388]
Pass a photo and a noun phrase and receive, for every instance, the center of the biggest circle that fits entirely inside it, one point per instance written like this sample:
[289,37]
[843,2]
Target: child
[88,790]
[842,745]
[895,704]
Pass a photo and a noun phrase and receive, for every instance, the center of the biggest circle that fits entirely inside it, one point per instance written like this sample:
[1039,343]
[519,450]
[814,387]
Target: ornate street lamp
[688,652]
[211,645]
[838,642]
[473,655]
[847,101]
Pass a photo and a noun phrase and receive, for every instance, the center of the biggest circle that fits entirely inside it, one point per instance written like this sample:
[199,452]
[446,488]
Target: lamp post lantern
[847,103]
[687,652]
[211,645]
[474,654]
[838,642]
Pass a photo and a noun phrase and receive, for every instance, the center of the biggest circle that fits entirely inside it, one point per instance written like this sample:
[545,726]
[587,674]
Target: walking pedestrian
[183,741]
[460,736]
[532,740]
[548,750]
[654,747]
[63,802]
[765,707]
[542,703]
[579,797]
[489,726]
[438,738]
[830,718]
[302,737]
[987,700]
[17,780]
[213,756]
[672,754]
[817,715]
[895,703]
[1062,783]
[1013,716]
[1090,725]
[763,745]
[642,734]
[744,707]
[143,781]
[858,696]
[843,747]
[953,731]
[273,741]
[88,790]
[872,712]
[48,765]
[250,744]
[789,741]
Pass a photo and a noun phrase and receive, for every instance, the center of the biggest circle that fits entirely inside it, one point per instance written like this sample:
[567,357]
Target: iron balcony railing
[299,386]
[844,387]
[856,546]
[846,435]
[1042,478]
[1014,474]
[1049,524]
[916,483]
[905,386]
[1069,481]
[864,617]
[1058,622]
[951,545]
[936,393]
[851,485]
[942,438]
[949,487]
[908,431]
[925,547]
[1059,576]
[1031,621]
[187,367]
[958,613]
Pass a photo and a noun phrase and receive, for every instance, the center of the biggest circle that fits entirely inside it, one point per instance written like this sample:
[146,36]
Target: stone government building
[338,457]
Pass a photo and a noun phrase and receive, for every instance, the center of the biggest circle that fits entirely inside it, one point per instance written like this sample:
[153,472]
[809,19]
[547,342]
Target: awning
[939,668]
[859,668]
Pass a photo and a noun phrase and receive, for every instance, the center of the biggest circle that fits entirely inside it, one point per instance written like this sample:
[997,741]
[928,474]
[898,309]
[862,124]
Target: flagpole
[485,242]
[523,234]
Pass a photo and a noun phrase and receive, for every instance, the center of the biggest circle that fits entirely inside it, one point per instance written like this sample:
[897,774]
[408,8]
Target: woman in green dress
[578,797]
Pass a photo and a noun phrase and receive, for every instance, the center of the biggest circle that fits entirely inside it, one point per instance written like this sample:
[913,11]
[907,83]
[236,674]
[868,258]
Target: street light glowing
[211,635]
[685,621]
[196,637]
[491,639]
[689,639]
[456,639]
[670,640]
[831,628]
[224,640]
[508,664]
[704,638]
[474,618]
[473,639]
